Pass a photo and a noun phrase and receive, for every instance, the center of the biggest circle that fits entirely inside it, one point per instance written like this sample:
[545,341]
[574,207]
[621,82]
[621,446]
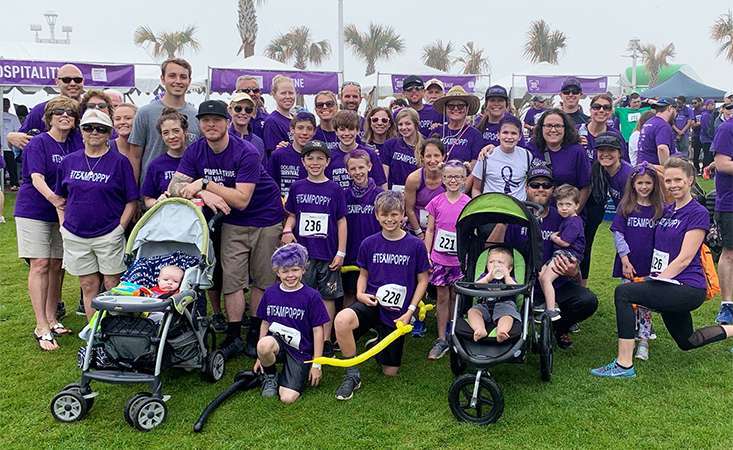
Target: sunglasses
[538,185]
[458,106]
[379,119]
[414,88]
[249,91]
[67,80]
[553,126]
[97,105]
[571,91]
[246,109]
[101,129]
[328,104]
[598,107]
[62,111]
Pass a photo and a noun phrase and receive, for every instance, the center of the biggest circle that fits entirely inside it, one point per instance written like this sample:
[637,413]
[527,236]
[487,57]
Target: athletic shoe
[60,310]
[642,350]
[80,311]
[553,314]
[574,328]
[269,386]
[350,384]
[232,347]
[218,322]
[371,340]
[564,341]
[253,335]
[613,370]
[725,315]
[538,307]
[440,348]
[328,351]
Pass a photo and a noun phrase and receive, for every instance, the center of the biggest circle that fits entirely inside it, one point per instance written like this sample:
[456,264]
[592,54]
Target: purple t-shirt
[723,145]
[668,239]
[336,169]
[96,192]
[317,207]
[252,138]
[638,230]
[656,131]
[327,137]
[237,163]
[160,172]
[258,122]
[292,315]
[360,220]
[464,144]
[491,135]
[618,182]
[275,130]
[401,160]
[286,167]
[569,164]
[429,117]
[530,118]
[572,231]
[683,115]
[392,268]
[706,130]
[42,155]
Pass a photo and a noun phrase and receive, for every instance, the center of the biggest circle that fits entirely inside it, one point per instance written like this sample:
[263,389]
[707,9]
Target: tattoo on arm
[178,182]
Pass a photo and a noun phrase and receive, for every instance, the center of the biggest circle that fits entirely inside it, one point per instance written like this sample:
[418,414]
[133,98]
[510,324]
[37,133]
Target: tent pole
[208,82]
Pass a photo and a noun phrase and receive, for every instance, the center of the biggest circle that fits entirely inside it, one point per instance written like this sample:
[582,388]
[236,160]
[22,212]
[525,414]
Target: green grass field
[678,400]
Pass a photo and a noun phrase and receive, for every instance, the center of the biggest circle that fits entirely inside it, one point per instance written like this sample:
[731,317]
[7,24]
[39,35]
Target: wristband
[412,308]
[316,366]
[287,232]
[341,254]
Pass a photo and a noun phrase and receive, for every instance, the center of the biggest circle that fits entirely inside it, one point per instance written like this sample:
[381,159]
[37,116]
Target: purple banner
[307,83]
[467,81]
[551,84]
[43,73]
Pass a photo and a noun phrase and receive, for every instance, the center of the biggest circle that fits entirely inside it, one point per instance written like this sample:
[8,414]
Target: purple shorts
[445,275]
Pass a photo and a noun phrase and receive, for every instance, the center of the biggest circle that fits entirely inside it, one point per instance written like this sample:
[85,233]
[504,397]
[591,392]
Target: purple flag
[43,73]
[551,84]
[306,82]
[467,81]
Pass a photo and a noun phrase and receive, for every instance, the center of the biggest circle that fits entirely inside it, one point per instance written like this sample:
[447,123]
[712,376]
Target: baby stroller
[475,396]
[125,344]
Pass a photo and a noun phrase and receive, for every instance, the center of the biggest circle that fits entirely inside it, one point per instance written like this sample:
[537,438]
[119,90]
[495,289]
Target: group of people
[306,197]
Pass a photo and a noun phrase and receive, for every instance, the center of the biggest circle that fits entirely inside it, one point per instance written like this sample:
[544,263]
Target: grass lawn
[678,400]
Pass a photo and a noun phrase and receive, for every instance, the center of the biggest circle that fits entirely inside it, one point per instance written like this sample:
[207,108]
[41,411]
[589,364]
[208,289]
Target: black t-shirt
[579,117]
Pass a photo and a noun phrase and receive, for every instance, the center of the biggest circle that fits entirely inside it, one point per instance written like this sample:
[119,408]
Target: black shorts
[294,374]
[725,225]
[326,281]
[215,236]
[369,318]
[348,280]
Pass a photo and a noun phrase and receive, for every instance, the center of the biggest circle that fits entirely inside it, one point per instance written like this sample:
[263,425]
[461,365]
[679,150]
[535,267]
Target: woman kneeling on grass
[677,285]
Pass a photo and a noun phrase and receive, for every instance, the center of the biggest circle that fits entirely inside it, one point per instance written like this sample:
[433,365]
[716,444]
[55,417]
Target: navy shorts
[294,374]
[725,225]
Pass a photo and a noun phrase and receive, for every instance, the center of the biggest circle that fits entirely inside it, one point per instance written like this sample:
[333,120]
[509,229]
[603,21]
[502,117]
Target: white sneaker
[2,219]
[642,350]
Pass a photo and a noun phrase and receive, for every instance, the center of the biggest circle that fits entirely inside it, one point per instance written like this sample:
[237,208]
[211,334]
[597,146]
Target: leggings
[593,216]
[707,156]
[673,302]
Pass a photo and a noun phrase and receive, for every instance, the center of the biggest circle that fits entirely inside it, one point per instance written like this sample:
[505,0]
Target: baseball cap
[496,91]
[664,101]
[436,82]
[538,98]
[213,108]
[607,140]
[709,101]
[412,81]
[539,169]
[95,116]
[241,97]
[315,146]
[571,82]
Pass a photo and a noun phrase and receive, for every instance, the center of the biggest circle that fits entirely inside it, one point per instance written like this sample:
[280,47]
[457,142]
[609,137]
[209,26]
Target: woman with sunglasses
[326,107]
[496,106]
[250,85]
[101,196]
[400,155]
[36,221]
[379,127]
[462,141]
[277,125]
[172,127]
[242,110]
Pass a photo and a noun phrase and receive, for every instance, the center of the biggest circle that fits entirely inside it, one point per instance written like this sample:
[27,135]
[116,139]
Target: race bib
[398,188]
[445,241]
[290,336]
[313,224]
[660,261]
[423,218]
[633,117]
[392,296]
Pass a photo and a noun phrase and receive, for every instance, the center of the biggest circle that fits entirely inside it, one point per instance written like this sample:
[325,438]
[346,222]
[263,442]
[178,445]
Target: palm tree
[654,60]
[247,26]
[168,43]
[543,44]
[380,42]
[437,55]
[722,31]
[473,59]
[297,45]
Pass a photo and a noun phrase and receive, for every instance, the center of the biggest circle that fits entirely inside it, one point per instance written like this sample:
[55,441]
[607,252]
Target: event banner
[467,81]
[43,73]
[551,84]
[307,83]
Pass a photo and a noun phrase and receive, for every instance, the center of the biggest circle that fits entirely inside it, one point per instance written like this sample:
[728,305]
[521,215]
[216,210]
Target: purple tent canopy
[306,82]
[43,73]
[467,81]
[551,84]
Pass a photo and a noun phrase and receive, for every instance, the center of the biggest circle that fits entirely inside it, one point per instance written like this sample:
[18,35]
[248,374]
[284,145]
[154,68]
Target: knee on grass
[288,396]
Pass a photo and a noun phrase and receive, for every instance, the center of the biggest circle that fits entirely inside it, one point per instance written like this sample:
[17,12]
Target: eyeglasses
[61,111]
[379,119]
[553,126]
[414,88]
[454,177]
[247,109]
[97,105]
[538,185]
[598,107]
[249,90]
[570,91]
[67,80]
[328,104]
[458,106]
[101,129]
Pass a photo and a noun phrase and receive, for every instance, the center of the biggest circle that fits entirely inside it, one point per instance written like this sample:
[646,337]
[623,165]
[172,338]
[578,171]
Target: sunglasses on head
[239,109]
[571,91]
[327,104]
[380,119]
[67,80]
[101,129]
[249,90]
[458,106]
[540,184]
[598,107]
[97,105]
[61,111]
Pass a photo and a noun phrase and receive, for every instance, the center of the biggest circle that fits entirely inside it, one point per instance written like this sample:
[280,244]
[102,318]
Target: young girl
[440,242]
[277,125]
[172,127]
[400,155]
[633,231]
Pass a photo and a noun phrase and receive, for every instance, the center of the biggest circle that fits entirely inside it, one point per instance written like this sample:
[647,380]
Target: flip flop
[48,337]
[60,330]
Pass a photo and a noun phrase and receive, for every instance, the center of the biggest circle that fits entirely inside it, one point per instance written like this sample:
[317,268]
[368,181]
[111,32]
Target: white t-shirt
[634,146]
[505,172]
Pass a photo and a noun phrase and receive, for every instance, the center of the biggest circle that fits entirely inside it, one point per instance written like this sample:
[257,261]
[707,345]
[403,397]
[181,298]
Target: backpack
[712,283]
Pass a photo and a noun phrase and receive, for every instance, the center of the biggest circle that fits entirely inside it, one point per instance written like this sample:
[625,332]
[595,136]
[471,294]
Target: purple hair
[290,255]
[357,154]
[456,164]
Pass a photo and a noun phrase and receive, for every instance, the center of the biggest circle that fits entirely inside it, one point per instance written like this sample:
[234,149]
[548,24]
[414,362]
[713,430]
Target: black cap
[539,169]
[412,81]
[496,91]
[571,82]
[315,146]
[607,140]
[213,108]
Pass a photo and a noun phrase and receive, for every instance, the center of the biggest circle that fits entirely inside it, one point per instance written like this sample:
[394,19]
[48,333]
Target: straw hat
[457,93]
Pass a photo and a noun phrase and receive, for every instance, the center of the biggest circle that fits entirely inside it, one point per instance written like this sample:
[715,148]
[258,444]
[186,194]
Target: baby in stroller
[502,312]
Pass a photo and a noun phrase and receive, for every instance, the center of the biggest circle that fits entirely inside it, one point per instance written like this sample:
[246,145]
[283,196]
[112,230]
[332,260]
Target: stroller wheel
[215,366]
[68,406]
[148,413]
[131,403]
[485,408]
[545,349]
[77,387]
[457,365]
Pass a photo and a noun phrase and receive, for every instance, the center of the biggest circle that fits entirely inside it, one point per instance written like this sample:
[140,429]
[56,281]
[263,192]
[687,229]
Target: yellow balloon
[401,330]
[347,269]
[423,309]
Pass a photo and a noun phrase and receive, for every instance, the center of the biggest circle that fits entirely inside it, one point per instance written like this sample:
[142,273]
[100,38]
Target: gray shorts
[493,311]
[326,281]
[725,225]
[38,239]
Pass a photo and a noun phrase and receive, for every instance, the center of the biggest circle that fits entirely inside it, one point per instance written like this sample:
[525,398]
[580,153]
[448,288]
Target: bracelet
[316,366]
[341,254]
[287,232]
[412,308]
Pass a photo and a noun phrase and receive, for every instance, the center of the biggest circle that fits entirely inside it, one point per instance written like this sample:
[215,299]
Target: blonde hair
[327,93]
[415,119]
[280,79]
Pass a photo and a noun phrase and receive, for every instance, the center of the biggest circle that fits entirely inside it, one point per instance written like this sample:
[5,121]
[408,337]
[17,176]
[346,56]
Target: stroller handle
[214,221]
[489,290]
[536,208]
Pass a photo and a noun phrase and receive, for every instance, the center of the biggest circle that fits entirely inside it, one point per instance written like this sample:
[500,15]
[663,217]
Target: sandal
[59,330]
[48,337]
